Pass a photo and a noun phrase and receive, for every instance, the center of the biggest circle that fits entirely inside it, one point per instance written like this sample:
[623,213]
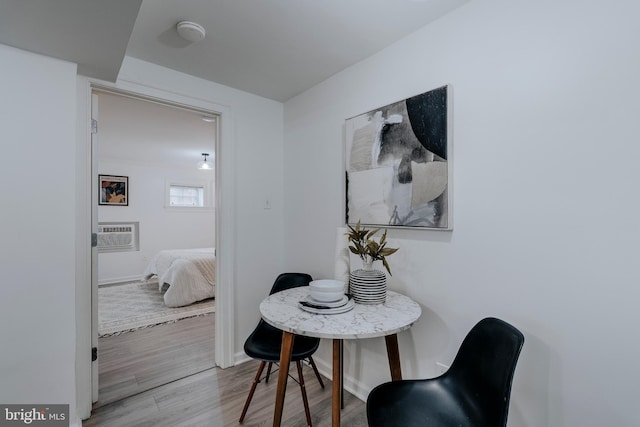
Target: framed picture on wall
[114,190]
[397,161]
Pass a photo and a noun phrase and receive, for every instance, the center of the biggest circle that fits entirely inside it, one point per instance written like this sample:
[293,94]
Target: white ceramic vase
[368,285]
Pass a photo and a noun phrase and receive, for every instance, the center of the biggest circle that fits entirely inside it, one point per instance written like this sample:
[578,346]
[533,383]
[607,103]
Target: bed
[190,274]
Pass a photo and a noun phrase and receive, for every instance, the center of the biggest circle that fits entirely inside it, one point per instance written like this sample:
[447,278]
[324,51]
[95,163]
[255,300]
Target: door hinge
[94,240]
[94,126]
[94,354]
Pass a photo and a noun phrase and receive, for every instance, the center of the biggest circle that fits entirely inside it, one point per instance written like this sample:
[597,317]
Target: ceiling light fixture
[190,31]
[208,119]
[203,165]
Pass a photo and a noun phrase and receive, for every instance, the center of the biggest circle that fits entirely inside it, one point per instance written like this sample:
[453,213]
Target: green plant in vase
[367,248]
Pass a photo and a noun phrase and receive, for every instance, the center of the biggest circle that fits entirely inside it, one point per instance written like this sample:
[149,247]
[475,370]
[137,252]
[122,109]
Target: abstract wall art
[398,163]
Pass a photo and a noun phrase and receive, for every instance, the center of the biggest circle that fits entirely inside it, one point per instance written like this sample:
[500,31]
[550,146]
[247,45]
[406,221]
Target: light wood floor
[137,361]
[137,364]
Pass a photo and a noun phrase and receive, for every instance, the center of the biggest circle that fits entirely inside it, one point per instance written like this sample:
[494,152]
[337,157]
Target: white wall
[257,141]
[160,227]
[545,208]
[37,300]
[249,169]
[141,140]
[37,258]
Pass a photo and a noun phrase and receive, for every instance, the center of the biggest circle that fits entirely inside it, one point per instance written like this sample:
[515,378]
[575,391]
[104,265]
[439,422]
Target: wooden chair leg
[268,372]
[253,389]
[315,369]
[304,393]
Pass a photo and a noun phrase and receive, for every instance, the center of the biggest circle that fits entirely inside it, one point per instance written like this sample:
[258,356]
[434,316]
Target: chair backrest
[290,280]
[484,367]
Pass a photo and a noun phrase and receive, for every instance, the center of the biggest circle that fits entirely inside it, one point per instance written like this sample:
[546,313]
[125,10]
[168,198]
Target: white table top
[398,313]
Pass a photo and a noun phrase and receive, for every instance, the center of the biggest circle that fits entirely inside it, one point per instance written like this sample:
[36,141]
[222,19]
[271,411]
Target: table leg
[283,373]
[337,383]
[341,374]
[394,357]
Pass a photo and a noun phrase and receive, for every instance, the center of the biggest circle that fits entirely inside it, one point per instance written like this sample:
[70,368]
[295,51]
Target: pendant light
[203,165]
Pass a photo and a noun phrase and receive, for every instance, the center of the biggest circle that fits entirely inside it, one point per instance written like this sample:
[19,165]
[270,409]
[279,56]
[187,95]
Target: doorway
[151,146]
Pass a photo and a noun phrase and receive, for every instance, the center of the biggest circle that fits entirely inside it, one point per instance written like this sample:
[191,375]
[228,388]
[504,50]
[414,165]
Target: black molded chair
[265,341]
[474,392]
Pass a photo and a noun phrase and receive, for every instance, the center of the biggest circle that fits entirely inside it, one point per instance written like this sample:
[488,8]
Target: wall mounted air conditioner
[118,236]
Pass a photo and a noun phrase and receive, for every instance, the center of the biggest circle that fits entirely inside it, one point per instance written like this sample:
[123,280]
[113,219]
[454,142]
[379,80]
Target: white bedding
[190,274]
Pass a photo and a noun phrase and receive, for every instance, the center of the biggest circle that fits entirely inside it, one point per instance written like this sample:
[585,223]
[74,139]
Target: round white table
[281,310]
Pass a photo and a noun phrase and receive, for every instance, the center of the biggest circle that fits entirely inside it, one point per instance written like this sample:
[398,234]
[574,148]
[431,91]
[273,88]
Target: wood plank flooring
[204,396]
[137,361]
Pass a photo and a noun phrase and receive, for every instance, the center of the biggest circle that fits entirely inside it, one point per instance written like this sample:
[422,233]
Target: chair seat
[408,409]
[267,347]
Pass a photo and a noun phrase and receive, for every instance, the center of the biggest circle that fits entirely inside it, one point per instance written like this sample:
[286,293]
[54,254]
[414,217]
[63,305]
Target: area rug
[130,306]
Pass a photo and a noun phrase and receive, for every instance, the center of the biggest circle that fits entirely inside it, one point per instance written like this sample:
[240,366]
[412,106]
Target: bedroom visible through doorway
[153,310]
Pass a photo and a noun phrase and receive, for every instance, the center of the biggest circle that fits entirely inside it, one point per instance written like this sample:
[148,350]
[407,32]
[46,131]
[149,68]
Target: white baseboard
[115,280]
[240,358]
[76,422]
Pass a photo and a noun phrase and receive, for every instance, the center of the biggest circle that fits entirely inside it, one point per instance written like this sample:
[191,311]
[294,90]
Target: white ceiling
[92,33]
[152,134]
[273,48]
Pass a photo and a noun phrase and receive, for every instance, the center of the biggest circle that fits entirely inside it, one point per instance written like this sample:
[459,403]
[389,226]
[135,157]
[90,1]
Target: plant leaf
[371,233]
[386,265]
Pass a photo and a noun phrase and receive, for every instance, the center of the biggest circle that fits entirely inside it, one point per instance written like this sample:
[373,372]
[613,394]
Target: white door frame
[95,115]
[225,235]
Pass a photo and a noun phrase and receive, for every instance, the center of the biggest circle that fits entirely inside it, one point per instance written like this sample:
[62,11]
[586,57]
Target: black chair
[265,341]
[474,392]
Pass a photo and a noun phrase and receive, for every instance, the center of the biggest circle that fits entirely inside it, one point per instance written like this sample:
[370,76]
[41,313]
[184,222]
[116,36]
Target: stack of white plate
[368,286]
[311,305]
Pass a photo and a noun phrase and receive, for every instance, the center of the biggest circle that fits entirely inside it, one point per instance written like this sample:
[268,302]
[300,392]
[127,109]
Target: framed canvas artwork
[114,190]
[398,164]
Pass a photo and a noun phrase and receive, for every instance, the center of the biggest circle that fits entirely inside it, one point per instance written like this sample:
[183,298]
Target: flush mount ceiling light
[203,165]
[208,119]
[190,31]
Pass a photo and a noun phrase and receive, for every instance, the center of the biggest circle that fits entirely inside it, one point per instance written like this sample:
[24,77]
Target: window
[186,196]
